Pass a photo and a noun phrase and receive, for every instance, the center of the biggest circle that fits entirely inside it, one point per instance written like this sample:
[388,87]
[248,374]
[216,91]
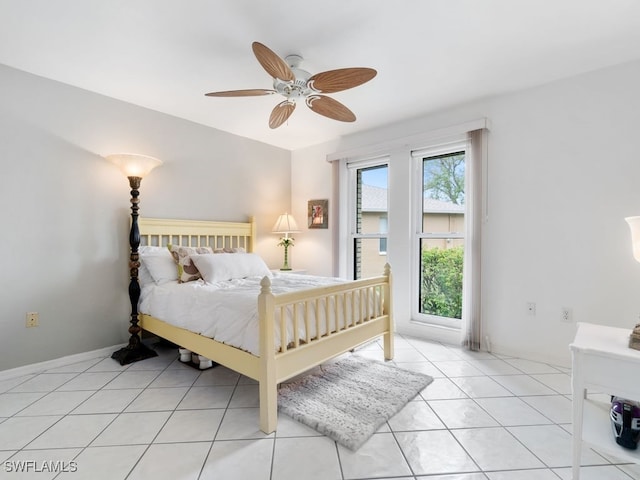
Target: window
[368,218]
[440,235]
[409,234]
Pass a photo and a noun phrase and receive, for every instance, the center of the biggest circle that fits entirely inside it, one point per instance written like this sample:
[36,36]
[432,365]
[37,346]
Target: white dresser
[601,362]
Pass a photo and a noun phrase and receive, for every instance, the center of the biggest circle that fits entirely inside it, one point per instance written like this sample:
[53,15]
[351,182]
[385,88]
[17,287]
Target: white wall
[66,210]
[311,180]
[563,173]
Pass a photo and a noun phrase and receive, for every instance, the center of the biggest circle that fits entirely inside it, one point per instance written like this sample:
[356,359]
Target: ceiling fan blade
[341,79]
[281,113]
[331,108]
[272,63]
[256,92]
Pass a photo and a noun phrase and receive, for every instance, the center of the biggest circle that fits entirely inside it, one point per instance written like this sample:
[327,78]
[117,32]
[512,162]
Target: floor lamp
[135,167]
[285,225]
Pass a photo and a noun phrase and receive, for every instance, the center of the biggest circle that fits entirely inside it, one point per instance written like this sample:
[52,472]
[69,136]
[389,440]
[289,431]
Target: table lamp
[285,225]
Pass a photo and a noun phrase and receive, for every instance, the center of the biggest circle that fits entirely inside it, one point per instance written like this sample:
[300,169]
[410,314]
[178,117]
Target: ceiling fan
[295,84]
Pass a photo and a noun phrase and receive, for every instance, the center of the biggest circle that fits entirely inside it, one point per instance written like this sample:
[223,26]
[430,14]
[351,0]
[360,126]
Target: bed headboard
[197,233]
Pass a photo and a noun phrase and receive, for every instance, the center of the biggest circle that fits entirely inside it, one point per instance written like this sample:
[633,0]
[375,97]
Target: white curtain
[476,164]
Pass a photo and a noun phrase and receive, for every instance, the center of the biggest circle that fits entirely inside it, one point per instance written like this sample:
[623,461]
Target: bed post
[252,221]
[388,306]
[268,387]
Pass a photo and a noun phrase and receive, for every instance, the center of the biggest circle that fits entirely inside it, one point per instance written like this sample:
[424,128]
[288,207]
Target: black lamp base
[135,350]
[130,354]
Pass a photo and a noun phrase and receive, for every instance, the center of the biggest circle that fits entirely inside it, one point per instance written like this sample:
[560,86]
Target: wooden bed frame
[273,367]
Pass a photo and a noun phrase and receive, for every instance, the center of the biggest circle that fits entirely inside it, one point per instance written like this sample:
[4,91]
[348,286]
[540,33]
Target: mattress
[228,311]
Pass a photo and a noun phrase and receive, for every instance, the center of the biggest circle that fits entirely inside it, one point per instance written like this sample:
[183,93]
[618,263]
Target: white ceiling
[429,54]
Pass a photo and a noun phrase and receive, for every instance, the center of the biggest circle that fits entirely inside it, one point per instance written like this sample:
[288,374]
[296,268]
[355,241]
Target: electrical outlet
[565,315]
[531,308]
[33,319]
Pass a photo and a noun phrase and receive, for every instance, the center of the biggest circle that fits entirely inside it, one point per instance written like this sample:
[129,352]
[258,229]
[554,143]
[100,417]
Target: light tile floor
[485,417]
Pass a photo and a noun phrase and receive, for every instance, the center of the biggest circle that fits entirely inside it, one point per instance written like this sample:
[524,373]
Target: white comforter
[225,311]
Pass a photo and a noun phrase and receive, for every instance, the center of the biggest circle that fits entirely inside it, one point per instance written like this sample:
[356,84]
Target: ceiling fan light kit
[294,84]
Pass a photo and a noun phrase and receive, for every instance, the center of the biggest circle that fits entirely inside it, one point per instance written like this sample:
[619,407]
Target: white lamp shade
[634,225]
[285,224]
[134,165]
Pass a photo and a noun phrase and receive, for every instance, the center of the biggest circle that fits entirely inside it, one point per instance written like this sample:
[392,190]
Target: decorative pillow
[187,271]
[226,266]
[160,266]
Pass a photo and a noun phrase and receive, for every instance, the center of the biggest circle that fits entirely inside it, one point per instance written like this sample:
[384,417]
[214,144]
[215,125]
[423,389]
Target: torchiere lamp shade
[133,164]
[634,225]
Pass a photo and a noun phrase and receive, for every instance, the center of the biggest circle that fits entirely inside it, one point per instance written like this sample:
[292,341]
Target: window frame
[418,157]
[353,234]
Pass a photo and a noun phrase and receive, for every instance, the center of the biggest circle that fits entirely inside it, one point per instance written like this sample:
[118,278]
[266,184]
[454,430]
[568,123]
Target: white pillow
[160,265]
[151,249]
[144,276]
[230,266]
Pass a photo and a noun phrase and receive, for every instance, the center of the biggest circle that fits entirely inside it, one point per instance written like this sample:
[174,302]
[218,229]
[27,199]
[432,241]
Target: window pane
[368,262]
[371,201]
[442,254]
[443,193]
[441,277]
[370,254]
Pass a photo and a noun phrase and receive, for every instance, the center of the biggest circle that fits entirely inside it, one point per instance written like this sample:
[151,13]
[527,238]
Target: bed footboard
[332,319]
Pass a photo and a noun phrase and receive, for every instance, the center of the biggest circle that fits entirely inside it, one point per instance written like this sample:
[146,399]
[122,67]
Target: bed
[323,321]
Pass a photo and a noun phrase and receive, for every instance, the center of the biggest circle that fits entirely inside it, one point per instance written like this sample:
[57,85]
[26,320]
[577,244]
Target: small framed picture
[318,213]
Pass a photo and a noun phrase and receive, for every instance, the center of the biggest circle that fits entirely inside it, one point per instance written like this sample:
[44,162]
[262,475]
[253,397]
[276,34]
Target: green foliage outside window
[441,292]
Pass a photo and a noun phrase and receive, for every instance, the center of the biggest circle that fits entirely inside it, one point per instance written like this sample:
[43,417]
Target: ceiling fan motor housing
[296,89]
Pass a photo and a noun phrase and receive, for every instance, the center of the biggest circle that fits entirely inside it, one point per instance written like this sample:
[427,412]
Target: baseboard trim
[57,362]
[451,336]
[554,360]
[435,333]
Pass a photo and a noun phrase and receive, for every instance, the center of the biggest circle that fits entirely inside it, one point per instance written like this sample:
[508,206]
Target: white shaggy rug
[351,398]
